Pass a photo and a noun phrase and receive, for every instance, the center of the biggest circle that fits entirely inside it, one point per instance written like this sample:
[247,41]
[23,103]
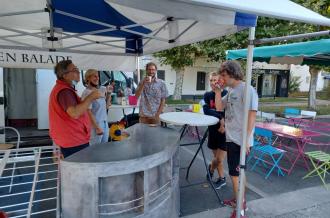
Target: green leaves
[179,57]
[215,49]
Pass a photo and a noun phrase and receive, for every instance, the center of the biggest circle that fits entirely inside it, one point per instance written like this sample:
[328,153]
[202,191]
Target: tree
[179,58]
[215,49]
[294,84]
[267,28]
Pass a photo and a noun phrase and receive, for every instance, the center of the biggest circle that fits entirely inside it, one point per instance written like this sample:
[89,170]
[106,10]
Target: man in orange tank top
[69,124]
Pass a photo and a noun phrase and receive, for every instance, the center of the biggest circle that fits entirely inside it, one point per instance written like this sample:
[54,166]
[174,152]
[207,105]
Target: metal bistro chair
[266,117]
[321,163]
[320,160]
[289,112]
[263,148]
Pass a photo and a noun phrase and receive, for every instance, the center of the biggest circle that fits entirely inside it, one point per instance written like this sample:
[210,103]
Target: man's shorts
[233,158]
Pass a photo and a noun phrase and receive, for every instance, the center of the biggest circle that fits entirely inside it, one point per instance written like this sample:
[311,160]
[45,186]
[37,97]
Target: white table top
[189,118]
[123,106]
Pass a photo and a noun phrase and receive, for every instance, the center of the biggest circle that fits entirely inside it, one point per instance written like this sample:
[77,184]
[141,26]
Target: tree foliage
[294,84]
[215,49]
[266,28]
[180,57]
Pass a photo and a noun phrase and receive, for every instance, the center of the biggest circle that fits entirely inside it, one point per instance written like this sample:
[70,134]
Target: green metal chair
[321,163]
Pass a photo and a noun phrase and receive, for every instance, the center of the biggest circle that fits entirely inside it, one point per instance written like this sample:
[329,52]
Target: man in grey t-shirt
[233,103]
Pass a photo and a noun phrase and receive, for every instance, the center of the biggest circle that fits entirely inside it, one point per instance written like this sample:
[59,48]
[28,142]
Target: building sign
[47,60]
[27,58]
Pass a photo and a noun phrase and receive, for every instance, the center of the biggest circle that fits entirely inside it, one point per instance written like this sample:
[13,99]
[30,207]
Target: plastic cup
[196,108]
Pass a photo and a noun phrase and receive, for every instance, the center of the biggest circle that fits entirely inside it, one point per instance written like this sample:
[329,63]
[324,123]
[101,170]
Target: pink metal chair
[310,124]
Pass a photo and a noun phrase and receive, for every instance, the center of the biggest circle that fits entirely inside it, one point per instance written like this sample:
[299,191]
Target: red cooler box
[132,100]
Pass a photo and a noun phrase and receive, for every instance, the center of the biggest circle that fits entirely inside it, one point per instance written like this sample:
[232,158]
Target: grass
[321,110]
[182,101]
[324,95]
[281,99]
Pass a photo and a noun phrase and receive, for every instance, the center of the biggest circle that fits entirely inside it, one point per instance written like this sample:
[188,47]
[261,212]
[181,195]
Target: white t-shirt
[234,113]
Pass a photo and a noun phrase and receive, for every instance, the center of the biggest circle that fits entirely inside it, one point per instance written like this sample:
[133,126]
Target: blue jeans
[96,139]
[69,151]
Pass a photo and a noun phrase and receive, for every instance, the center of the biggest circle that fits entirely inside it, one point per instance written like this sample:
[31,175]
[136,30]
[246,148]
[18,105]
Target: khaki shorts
[149,120]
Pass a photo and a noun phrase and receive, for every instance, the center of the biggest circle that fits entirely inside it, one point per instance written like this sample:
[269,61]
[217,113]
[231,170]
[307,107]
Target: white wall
[46,80]
[296,70]
[264,65]
[190,74]
[303,73]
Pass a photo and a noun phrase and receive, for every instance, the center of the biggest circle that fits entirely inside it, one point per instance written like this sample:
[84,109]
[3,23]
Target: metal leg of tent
[247,98]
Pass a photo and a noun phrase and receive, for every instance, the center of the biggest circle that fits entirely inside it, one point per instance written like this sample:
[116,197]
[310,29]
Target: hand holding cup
[96,94]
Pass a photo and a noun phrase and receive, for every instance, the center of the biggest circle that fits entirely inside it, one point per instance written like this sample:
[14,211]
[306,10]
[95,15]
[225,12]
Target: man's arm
[161,107]
[251,121]
[219,104]
[253,108]
[139,89]
[164,95]
[77,110]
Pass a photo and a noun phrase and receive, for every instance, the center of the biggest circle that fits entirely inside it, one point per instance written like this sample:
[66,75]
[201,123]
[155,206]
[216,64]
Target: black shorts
[216,140]
[66,152]
[233,158]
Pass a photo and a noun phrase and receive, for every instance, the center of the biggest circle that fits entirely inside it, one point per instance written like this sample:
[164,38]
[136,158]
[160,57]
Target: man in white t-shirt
[233,103]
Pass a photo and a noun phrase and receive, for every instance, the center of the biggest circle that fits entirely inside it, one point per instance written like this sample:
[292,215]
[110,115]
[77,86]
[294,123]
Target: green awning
[309,53]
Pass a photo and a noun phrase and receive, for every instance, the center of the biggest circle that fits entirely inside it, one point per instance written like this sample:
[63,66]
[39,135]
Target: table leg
[183,131]
[201,142]
[300,148]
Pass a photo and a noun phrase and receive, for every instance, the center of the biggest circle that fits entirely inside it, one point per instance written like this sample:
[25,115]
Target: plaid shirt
[151,97]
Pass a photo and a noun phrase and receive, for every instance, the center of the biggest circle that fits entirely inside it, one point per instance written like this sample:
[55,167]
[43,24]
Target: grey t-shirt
[234,106]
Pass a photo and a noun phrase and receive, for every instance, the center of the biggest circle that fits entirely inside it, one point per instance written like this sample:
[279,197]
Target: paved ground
[310,202]
[280,197]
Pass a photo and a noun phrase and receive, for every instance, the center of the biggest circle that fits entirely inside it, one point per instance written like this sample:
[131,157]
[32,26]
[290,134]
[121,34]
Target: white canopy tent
[85,27]
[158,25]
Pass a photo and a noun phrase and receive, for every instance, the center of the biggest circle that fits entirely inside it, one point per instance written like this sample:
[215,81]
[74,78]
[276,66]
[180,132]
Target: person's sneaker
[220,182]
[211,173]
[232,203]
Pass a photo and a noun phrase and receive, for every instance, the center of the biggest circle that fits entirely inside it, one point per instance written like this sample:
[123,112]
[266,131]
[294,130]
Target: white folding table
[196,120]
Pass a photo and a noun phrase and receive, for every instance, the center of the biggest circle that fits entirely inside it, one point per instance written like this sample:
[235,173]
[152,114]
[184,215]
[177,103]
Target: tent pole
[155,33]
[51,22]
[298,36]
[242,180]
[137,59]
[21,13]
